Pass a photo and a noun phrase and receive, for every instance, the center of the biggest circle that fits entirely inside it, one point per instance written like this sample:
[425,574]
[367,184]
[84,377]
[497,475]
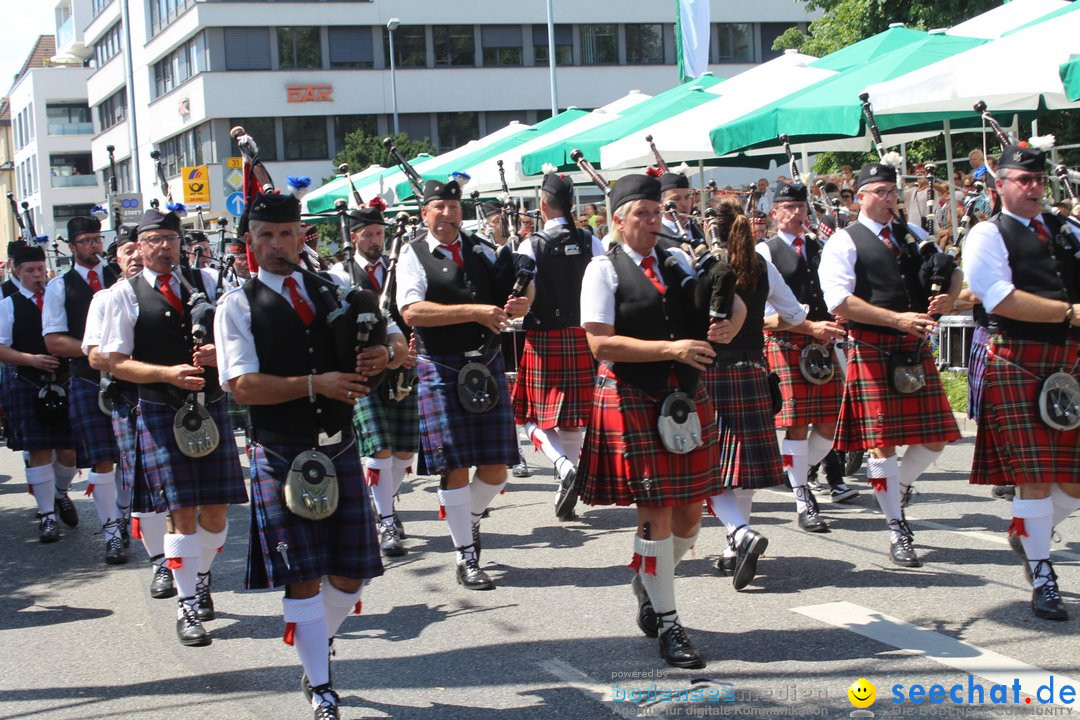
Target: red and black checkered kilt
[623,461]
[27,430]
[123,424]
[1013,446]
[749,453]
[555,382]
[873,415]
[976,369]
[804,402]
[176,481]
[343,544]
[95,440]
[452,438]
[382,423]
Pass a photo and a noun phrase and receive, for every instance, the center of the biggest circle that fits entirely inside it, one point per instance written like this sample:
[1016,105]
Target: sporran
[311,486]
[195,431]
[679,424]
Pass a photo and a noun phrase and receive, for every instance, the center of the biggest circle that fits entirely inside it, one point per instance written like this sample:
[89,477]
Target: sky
[24,21]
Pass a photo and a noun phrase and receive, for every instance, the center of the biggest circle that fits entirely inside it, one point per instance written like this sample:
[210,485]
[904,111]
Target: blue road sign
[235,204]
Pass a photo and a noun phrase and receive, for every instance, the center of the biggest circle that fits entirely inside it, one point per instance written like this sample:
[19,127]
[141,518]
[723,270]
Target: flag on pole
[692,38]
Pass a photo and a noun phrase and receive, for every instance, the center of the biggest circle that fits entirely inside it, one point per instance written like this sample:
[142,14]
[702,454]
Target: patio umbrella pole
[949,167]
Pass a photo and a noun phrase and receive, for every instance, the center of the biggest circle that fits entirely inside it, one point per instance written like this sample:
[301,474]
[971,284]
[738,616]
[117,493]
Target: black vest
[1047,271]
[883,280]
[163,337]
[26,337]
[450,285]
[801,274]
[8,287]
[642,312]
[751,337]
[77,297]
[288,349]
[562,254]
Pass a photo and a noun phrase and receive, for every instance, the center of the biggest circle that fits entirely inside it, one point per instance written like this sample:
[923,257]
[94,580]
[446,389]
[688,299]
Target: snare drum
[954,341]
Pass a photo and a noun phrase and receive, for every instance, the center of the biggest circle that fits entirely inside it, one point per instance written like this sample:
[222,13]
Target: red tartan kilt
[1013,445]
[554,386]
[623,462]
[804,402]
[873,415]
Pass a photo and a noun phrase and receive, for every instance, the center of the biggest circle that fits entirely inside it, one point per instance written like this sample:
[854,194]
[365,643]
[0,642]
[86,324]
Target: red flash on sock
[89,489]
[536,443]
[788,462]
[136,528]
[174,563]
[358,607]
[1017,529]
[408,470]
[879,484]
[635,563]
[442,513]
[372,477]
[290,634]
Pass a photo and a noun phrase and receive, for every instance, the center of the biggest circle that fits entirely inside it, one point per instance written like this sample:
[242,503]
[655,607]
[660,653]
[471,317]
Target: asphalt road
[557,638]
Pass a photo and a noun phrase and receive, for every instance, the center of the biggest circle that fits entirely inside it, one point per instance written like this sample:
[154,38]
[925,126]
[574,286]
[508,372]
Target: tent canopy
[1070,77]
[1008,16]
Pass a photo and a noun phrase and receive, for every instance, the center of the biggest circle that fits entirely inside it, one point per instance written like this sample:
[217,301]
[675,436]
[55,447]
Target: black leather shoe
[566,496]
[1046,600]
[677,650]
[114,551]
[725,565]
[327,708]
[162,585]
[901,551]
[853,462]
[390,542]
[646,616]
[204,605]
[189,629]
[400,527]
[521,470]
[1003,492]
[125,528]
[471,577]
[49,529]
[810,519]
[1018,547]
[749,550]
[66,510]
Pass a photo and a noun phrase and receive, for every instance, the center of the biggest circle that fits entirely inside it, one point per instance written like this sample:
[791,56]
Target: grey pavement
[557,639]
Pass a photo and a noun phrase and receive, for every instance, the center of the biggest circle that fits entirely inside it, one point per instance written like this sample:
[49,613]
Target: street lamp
[391,26]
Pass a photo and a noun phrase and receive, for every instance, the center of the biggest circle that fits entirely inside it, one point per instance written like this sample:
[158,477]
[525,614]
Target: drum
[513,345]
[954,341]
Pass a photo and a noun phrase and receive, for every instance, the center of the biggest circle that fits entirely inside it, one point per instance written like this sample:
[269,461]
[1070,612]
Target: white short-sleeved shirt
[412,282]
[95,320]
[119,334]
[600,282]
[54,315]
[339,272]
[763,250]
[7,315]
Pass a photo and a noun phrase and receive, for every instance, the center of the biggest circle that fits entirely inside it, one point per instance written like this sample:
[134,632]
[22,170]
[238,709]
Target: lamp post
[391,26]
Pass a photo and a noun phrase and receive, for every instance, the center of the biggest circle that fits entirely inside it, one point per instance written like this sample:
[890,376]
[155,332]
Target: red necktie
[455,250]
[307,316]
[797,243]
[166,289]
[647,267]
[1040,230]
[886,235]
[93,281]
[39,298]
[371,276]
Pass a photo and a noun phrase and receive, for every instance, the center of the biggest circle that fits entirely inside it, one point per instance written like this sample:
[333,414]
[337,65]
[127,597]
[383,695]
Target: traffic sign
[235,204]
[234,180]
[196,185]
[131,208]
[234,162]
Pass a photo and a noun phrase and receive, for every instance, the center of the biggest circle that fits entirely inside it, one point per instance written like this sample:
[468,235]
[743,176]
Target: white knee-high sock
[572,439]
[104,496]
[308,617]
[482,494]
[41,481]
[64,477]
[402,466]
[182,556]
[745,498]
[817,447]
[917,458]
[1033,523]
[1064,504]
[380,476]
[456,505]
[794,452]
[210,544]
[657,571]
[884,476]
[123,498]
[681,545]
[549,443]
[338,606]
[725,507]
[151,528]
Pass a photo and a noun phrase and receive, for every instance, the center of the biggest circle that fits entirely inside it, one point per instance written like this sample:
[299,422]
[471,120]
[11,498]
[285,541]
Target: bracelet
[389,353]
[1069,312]
[311,387]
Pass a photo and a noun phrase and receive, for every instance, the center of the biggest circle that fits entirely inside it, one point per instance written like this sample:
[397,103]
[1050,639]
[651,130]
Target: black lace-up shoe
[188,628]
[749,550]
[161,586]
[204,602]
[1046,600]
[677,650]
[66,510]
[48,529]
[646,616]
[810,519]
[471,577]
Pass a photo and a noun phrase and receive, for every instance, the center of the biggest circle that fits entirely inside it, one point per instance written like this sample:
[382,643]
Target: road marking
[971,659]
[577,679]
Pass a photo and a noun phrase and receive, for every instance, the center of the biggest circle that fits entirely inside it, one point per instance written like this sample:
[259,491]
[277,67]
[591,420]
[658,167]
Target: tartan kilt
[27,430]
[623,461]
[95,440]
[554,386]
[452,438]
[123,423]
[343,544]
[873,415]
[176,481]
[976,369]
[804,402]
[749,453]
[384,424]
[1013,446]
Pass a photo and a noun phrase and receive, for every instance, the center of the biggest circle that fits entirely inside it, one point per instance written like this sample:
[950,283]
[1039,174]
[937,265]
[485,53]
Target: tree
[362,150]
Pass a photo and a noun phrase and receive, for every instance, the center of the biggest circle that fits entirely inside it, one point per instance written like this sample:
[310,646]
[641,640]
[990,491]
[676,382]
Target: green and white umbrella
[1070,77]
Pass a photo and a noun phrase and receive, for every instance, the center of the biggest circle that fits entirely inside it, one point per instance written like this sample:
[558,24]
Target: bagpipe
[813,230]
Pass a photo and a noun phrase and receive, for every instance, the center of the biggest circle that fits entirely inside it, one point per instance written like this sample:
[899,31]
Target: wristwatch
[1069,314]
[390,351]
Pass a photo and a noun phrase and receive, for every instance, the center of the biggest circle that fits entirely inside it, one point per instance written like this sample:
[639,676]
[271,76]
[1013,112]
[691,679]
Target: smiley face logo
[862,693]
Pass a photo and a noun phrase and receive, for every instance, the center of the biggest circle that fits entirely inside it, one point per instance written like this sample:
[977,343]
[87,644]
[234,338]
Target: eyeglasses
[159,239]
[1026,180]
[881,193]
[87,240]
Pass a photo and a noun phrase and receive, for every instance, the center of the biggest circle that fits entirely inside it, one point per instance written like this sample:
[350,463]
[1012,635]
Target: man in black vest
[1023,265]
[796,255]
[449,292]
[11,285]
[150,343]
[675,189]
[553,393]
[277,357]
[67,302]
[869,275]
[40,430]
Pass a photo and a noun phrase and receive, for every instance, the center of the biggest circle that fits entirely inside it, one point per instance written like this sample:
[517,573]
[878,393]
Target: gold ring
[349,394]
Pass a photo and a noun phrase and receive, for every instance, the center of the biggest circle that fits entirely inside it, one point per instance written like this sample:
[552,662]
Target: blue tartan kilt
[27,430]
[176,481]
[976,369]
[452,438]
[343,544]
[123,423]
[95,440]
[383,424]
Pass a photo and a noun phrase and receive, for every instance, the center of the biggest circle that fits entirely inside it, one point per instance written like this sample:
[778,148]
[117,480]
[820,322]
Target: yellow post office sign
[196,185]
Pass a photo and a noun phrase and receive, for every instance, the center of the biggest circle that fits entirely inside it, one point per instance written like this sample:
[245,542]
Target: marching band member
[553,393]
[892,393]
[299,409]
[675,188]
[149,343]
[1022,264]
[448,291]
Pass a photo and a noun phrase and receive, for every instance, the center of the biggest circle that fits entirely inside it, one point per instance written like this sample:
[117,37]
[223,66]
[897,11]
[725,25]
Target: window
[599,44]
[454,45]
[123,176]
[350,47]
[68,119]
[247,48]
[564,44]
[305,138]
[179,66]
[502,44]
[299,48]
[769,32]
[163,12]
[99,5]
[410,47]
[456,129]
[734,43]
[416,125]
[645,44]
[499,120]
[345,124]
[262,130]
[186,150]
[71,171]
[109,46]
[113,110]
[63,213]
